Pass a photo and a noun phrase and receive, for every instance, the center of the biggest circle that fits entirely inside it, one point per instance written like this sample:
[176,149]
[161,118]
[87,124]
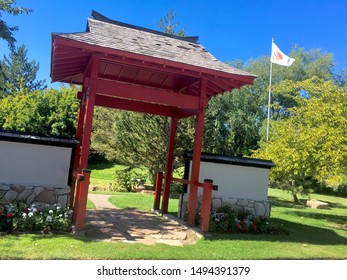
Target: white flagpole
[269,102]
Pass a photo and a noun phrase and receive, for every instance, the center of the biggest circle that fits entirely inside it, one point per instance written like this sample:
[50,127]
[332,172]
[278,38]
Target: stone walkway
[111,224]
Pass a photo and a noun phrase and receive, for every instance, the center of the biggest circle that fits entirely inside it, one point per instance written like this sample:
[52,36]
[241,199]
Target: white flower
[60,215]
[34,210]
[50,212]
[58,208]
[31,214]
[49,219]
[24,215]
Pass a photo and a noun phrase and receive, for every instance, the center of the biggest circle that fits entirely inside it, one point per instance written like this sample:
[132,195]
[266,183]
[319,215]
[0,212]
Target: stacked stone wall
[14,193]
[255,207]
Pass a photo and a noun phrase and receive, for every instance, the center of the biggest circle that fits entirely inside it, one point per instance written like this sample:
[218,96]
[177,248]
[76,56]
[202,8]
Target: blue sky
[229,29]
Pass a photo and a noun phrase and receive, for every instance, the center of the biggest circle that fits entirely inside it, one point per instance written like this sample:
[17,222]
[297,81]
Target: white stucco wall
[22,163]
[235,181]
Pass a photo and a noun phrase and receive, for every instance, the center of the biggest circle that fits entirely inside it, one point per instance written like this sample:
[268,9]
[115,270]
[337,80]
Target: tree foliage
[18,74]
[104,133]
[167,24]
[6,32]
[310,145]
[50,112]
[232,123]
[141,140]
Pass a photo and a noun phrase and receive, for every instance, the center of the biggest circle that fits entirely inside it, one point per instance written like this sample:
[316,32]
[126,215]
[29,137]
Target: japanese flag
[278,57]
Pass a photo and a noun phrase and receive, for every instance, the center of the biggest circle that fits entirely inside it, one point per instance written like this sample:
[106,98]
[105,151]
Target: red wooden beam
[157,192]
[199,128]
[79,131]
[146,94]
[206,205]
[88,117]
[79,214]
[141,107]
[169,165]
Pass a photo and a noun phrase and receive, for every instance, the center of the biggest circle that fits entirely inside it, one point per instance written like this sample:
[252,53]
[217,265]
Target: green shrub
[124,180]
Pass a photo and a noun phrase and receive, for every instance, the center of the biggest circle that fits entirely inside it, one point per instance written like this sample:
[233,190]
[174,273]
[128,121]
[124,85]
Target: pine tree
[18,74]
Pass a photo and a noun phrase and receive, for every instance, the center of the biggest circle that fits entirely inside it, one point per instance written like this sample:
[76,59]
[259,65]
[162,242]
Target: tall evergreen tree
[19,74]
[169,26]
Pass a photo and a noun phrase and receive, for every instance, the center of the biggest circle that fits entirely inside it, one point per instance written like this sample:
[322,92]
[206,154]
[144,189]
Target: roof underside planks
[141,70]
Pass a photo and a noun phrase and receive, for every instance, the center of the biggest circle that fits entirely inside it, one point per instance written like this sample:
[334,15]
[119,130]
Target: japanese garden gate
[131,68]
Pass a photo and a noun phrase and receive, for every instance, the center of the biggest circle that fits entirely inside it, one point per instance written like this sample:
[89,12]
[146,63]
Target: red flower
[1,212]
[9,215]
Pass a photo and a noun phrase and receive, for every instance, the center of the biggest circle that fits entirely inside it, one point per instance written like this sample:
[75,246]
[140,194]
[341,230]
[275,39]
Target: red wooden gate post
[169,162]
[199,129]
[206,205]
[157,192]
[79,213]
[79,132]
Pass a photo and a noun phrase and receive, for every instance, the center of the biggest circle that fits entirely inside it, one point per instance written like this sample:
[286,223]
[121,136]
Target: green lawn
[313,234]
[140,201]
[103,172]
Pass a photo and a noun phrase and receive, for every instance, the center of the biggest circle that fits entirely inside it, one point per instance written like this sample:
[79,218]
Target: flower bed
[34,219]
[230,220]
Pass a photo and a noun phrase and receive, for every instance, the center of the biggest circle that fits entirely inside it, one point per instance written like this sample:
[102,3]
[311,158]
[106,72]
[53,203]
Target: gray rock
[216,203]
[316,204]
[62,200]
[242,202]
[38,190]
[17,188]
[229,201]
[31,198]
[46,196]
[62,190]
[24,195]
[10,196]
[5,187]
[260,209]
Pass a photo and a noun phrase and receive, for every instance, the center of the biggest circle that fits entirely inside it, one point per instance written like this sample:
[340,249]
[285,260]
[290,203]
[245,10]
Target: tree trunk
[295,199]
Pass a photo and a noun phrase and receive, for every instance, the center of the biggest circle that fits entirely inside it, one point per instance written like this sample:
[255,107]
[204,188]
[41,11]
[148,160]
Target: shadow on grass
[320,216]
[100,164]
[277,201]
[297,232]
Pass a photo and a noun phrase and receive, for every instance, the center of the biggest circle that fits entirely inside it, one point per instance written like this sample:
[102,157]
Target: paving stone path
[131,225]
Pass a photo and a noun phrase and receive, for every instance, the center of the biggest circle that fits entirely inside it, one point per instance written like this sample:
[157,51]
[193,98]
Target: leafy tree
[311,144]
[307,64]
[19,74]
[104,133]
[232,123]
[235,122]
[6,32]
[49,112]
[142,140]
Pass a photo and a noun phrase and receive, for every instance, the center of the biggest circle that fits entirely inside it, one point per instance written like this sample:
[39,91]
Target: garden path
[108,223]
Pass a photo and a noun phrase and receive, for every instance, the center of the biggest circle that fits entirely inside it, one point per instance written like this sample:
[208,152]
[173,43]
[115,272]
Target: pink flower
[9,215]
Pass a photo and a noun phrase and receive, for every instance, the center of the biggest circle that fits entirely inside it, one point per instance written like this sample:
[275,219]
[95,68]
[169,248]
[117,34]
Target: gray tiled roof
[113,35]
[232,160]
[17,136]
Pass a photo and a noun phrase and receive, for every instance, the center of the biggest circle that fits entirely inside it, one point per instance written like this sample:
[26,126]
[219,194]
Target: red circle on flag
[277,55]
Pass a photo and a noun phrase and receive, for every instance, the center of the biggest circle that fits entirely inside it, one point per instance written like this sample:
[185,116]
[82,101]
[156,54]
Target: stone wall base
[255,207]
[47,195]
